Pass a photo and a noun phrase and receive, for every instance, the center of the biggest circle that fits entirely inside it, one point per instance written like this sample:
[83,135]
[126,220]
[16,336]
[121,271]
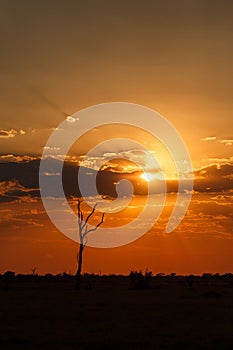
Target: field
[48,313]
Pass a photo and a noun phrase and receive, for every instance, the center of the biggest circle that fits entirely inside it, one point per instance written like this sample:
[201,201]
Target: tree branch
[94,229]
[80,214]
[88,217]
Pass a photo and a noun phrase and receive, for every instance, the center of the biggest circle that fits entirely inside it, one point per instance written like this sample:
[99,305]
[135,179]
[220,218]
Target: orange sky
[174,57]
[203,242]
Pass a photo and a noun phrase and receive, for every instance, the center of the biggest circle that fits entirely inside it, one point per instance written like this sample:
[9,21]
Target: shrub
[139,280]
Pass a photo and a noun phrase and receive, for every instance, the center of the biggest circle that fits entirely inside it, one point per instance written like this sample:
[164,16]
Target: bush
[140,281]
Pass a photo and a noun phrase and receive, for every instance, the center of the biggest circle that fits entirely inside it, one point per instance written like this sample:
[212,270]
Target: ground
[48,313]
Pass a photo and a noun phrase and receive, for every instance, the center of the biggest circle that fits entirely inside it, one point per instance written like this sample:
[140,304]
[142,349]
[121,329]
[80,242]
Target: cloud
[227,142]
[12,191]
[140,157]
[217,160]
[209,215]
[217,170]
[5,158]
[229,176]
[214,177]
[209,138]
[51,174]
[52,148]
[71,119]
[19,177]
[6,134]
[11,133]
[20,216]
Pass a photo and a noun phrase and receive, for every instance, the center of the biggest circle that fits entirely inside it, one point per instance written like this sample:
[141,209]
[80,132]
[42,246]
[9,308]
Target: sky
[175,57]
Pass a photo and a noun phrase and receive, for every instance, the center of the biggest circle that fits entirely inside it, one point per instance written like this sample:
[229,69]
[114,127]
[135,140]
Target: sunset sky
[175,57]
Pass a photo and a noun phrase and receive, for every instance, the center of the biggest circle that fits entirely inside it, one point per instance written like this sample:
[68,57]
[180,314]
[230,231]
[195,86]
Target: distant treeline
[146,273]
[135,279]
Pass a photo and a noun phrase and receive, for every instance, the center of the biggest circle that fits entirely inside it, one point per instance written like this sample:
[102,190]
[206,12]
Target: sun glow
[148,177]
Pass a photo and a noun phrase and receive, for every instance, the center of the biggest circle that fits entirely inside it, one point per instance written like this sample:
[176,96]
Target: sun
[148,177]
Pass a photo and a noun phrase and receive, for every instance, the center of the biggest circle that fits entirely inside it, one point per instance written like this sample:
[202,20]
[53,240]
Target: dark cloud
[214,178]
[215,170]
[3,133]
[26,173]
[12,190]
[21,179]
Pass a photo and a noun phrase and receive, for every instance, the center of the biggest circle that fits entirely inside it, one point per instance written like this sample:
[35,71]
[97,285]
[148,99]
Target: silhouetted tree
[83,232]
[190,281]
[8,277]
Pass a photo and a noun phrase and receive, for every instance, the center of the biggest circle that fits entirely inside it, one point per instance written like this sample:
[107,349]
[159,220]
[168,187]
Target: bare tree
[84,230]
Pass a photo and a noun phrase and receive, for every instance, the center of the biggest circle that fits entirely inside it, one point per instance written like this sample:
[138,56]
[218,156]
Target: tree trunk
[79,270]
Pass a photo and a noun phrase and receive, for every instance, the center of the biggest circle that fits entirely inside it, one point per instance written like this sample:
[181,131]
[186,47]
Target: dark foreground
[48,313]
